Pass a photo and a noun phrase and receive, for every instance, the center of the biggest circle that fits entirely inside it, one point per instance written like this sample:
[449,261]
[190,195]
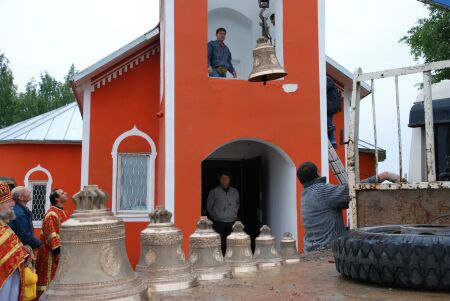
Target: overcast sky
[50,35]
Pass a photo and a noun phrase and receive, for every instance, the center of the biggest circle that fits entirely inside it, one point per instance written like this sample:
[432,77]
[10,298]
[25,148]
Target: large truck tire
[411,256]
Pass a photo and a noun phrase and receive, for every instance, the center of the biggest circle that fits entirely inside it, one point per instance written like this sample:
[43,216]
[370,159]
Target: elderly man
[219,56]
[48,255]
[23,224]
[322,204]
[12,253]
[223,206]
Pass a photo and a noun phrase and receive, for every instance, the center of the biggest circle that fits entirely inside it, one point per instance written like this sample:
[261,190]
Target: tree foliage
[37,98]
[429,40]
[8,93]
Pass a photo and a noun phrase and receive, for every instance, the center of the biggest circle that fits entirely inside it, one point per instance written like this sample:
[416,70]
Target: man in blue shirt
[23,224]
[219,56]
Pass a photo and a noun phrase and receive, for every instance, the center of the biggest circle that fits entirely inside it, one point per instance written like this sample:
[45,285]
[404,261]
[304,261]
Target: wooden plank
[399,128]
[353,157]
[429,127]
[374,118]
[404,71]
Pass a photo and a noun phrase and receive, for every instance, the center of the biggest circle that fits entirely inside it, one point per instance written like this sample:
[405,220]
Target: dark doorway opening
[246,178]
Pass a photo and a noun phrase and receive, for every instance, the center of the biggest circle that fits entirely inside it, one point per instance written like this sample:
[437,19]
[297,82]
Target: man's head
[307,172]
[221,34]
[272,19]
[6,204]
[225,179]
[21,195]
[58,197]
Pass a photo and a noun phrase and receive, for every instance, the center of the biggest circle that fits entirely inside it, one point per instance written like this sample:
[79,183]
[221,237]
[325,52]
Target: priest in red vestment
[12,253]
[48,254]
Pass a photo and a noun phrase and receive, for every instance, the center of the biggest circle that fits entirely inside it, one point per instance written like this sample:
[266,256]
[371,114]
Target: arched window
[133,189]
[40,193]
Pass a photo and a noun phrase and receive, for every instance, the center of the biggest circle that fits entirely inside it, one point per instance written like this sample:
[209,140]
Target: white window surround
[49,181]
[136,217]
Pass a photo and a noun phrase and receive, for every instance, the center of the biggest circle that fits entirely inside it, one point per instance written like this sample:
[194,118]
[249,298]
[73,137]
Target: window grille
[39,199]
[134,180]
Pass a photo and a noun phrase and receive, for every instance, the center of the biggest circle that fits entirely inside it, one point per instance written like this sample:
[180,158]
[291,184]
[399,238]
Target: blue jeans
[331,128]
[217,74]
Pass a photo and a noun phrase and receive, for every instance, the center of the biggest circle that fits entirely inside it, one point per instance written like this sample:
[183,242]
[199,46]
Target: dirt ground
[314,278]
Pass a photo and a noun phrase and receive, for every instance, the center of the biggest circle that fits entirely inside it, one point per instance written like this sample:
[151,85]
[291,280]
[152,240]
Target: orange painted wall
[210,112]
[130,100]
[366,165]
[63,161]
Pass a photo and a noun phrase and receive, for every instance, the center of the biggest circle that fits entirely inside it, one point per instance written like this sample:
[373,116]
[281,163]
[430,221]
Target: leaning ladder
[336,165]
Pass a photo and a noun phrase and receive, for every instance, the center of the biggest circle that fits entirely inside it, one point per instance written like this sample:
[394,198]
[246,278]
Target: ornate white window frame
[38,224]
[133,216]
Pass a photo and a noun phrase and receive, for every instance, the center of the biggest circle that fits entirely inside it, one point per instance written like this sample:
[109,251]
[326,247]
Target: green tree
[429,40]
[8,93]
[45,95]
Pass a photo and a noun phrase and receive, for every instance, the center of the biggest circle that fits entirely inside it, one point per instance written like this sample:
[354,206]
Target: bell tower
[209,118]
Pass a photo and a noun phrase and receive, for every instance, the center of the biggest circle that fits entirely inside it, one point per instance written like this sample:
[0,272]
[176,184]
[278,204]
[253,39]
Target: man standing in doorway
[219,56]
[223,207]
[48,256]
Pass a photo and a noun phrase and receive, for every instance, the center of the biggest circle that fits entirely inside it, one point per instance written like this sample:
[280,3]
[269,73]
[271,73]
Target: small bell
[288,249]
[239,254]
[93,264]
[265,63]
[162,265]
[205,252]
[265,252]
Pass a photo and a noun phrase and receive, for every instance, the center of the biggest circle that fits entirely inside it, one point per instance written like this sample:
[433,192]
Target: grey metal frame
[353,158]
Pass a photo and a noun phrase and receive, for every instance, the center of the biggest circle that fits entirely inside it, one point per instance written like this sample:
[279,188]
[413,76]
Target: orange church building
[157,130]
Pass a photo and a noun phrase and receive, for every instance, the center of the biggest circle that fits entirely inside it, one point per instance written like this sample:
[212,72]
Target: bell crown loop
[204,224]
[90,198]
[238,227]
[160,216]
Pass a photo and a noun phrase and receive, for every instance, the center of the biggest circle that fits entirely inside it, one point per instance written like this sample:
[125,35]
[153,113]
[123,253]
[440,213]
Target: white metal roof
[62,125]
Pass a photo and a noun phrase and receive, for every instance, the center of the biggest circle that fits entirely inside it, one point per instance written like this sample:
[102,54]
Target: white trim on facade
[323,88]
[123,68]
[86,136]
[135,217]
[26,181]
[169,79]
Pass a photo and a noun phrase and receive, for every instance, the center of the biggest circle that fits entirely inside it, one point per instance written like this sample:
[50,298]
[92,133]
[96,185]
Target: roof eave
[85,76]
[346,76]
[21,141]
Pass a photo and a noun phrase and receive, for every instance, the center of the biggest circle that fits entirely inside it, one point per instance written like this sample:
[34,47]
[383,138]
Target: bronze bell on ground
[162,264]
[205,252]
[94,263]
[266,254]
[288,249]
[265,63]
[239,254]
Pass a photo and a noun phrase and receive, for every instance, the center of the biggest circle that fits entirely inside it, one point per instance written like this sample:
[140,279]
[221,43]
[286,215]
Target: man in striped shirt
[322,204]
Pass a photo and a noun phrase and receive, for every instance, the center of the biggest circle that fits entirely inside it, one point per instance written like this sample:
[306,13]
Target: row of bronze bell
[94,265]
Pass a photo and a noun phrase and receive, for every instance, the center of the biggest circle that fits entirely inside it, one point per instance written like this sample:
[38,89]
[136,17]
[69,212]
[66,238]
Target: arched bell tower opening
[241,20]
[265,177]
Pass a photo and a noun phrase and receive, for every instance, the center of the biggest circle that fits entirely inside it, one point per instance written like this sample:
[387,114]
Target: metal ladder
[337,168]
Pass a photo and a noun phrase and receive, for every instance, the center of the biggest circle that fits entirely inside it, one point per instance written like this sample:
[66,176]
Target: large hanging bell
[266,254]
[205,252]
[265,63]
[162,264]
[288,249]
[239,254]
[94,263]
